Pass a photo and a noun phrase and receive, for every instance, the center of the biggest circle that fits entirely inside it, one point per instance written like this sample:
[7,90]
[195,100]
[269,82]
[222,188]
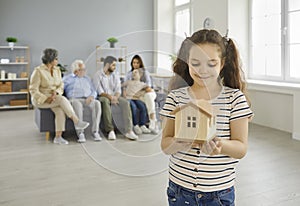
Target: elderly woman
[46,89]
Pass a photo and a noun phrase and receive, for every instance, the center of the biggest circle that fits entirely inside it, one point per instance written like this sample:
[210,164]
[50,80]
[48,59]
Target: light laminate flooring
[34,171]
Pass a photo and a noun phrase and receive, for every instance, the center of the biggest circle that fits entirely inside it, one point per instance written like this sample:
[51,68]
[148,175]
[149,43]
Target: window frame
[285,48]
[176,9]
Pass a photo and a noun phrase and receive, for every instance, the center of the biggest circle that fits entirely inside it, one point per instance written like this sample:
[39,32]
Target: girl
[204,173]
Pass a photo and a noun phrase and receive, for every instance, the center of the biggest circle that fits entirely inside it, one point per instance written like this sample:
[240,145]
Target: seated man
[134,90]
[80,90]
[108,87]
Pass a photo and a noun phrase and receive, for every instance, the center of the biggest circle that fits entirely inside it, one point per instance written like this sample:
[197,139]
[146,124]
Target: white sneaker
[60,140]
[152,124]
[112,135]
[145,130]
[81,125]
[130,135]
[152,127]
[137,130]
[81,138]
[97,136]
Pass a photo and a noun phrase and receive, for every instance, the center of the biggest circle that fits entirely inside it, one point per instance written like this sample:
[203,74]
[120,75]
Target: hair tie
[226,35]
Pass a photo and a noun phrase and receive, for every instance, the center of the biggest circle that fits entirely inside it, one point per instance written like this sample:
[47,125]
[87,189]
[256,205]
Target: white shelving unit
[19,64]
[119,53]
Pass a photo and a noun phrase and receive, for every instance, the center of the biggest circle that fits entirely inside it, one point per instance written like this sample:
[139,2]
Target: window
[182,21]
[181,2]
[191,122]
[275,40]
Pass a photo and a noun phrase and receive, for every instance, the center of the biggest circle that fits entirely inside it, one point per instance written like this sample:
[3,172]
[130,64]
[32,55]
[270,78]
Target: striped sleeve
[169,106]
[240,108]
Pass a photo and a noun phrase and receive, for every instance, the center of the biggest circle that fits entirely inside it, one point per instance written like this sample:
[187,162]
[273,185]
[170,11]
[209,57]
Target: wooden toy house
[195,121]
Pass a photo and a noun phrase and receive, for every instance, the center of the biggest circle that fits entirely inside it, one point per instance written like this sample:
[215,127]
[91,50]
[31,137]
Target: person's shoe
[112,135]
[137,130]
[152,124]
[130,135]
[145,130]
[97,136]
[60,140]
[81,138]
[81,125]
[152,127]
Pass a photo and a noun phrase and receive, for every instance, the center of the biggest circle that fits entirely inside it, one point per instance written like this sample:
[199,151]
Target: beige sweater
[42,84]
[135,89]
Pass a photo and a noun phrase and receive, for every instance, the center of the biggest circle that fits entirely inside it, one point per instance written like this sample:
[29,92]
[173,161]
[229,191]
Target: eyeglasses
[81,69]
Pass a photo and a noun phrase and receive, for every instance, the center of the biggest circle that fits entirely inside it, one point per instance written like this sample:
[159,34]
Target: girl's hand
[212,147]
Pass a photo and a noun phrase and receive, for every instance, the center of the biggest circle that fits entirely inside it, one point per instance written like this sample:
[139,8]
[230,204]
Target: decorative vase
[11,45]
[112,44]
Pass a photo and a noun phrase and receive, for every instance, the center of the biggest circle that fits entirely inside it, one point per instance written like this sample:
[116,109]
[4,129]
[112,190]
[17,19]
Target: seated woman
[46,89]
[134,90]
[148,97]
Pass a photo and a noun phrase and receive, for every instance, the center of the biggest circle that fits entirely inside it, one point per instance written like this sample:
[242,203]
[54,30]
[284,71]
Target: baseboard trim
[296,136]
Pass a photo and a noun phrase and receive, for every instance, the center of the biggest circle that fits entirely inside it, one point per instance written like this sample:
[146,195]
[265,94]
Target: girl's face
[136,75]
[136,64]
[205,64]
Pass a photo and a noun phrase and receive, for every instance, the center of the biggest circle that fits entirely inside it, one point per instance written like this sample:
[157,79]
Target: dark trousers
[139,112]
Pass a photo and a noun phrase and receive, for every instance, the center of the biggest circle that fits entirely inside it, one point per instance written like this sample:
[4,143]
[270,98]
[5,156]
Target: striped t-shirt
[193,169]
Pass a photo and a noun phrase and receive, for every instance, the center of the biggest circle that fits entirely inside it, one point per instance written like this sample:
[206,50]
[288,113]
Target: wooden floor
[37,172]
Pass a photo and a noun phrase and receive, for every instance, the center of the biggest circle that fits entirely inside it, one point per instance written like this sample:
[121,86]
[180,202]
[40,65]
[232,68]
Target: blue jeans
[180,196]
[138,108]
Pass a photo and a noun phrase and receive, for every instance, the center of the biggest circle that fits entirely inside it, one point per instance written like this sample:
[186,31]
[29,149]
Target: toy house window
[191,122]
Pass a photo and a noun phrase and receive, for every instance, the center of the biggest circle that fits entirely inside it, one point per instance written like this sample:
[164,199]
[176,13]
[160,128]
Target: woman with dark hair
[149,97]
[46,89]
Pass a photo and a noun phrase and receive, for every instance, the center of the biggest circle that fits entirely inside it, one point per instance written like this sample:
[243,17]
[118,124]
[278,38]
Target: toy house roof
[202,105]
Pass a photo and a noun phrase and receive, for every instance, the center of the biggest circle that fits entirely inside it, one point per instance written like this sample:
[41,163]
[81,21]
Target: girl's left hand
[212,147]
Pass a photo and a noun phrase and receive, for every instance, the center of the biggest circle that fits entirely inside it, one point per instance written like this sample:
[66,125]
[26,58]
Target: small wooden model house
[195,121]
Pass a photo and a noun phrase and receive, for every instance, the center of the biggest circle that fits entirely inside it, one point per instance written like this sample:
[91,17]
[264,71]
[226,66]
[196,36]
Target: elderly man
[80,91]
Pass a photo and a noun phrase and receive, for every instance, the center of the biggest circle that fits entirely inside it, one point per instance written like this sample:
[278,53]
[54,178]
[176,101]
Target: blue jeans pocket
[227,196]
[171,196]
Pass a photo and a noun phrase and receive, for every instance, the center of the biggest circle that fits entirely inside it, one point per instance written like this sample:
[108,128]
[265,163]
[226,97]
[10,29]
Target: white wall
[238,28]
[217,10]
[276,105]
[163,24]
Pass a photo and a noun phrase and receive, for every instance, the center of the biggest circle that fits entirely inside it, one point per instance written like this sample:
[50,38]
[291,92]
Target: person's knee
[97,105]
[124,103]
[59,113]
[76,103]
[132,105]
[104,100]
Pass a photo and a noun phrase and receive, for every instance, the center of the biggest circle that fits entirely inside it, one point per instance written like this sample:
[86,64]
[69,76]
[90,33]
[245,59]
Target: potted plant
[112,41]
[11,41]
[62,68]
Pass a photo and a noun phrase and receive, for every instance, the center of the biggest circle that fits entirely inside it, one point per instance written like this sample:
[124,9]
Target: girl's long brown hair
[231,74]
